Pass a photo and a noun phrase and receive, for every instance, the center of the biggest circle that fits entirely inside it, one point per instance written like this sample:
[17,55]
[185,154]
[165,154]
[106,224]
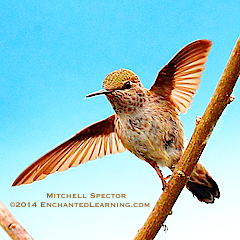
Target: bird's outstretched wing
[178,80]
[96,140]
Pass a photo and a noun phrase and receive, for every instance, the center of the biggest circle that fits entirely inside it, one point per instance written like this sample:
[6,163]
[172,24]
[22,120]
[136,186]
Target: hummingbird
[146,122]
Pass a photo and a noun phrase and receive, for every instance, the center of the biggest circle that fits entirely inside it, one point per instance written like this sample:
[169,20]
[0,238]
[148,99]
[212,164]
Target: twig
[11,225]
[202,132]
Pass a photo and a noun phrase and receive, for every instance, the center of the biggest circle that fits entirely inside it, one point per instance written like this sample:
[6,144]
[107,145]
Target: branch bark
[198,141]
[11,225]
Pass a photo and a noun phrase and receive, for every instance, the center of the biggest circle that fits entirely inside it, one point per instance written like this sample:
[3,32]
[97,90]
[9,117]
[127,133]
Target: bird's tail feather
[202,185]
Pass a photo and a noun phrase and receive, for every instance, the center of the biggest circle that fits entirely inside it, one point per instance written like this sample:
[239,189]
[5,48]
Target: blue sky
[52,54]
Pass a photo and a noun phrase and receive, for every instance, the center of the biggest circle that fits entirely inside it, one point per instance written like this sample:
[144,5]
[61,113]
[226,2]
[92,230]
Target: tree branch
[11,225]
[198,141]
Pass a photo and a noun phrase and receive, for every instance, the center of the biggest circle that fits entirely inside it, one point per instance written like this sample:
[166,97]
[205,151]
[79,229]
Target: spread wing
[96,140]
[178,80]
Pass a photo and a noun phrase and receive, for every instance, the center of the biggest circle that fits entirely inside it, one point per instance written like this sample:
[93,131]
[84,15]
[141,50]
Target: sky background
[52,54]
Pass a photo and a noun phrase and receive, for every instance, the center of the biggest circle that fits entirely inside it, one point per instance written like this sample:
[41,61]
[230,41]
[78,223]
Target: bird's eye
[127,85]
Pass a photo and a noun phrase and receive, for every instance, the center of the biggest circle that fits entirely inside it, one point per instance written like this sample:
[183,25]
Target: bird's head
[120,80]
[120,87]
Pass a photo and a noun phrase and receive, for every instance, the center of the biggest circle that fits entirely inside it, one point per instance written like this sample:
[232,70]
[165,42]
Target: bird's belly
[150,149]
[151,140]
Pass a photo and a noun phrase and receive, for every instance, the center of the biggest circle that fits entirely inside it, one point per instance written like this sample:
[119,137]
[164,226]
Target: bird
[146,122]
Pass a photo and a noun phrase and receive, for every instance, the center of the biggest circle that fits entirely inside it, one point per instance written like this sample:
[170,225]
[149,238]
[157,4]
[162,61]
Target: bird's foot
[164,184]
[159,172]
[167,177]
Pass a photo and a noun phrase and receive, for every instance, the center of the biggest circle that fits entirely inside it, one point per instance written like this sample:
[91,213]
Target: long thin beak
[100,92]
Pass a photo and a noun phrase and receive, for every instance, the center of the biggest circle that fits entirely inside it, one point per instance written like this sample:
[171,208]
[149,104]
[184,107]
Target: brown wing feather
[94,141]
[179,79]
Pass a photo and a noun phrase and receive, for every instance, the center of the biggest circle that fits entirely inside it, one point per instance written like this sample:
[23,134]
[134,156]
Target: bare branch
[203,130]
[11,225]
